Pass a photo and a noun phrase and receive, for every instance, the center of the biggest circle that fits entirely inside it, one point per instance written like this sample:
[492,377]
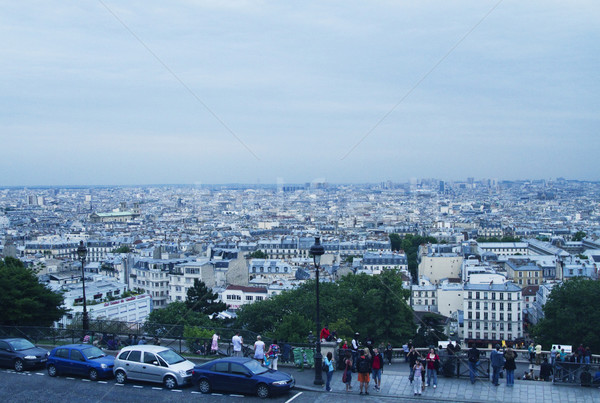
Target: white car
[152,364]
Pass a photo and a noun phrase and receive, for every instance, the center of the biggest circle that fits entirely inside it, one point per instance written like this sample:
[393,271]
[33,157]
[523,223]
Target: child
[418,371]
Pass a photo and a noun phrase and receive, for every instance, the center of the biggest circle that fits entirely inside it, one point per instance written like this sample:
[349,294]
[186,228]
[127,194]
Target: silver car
[152,364]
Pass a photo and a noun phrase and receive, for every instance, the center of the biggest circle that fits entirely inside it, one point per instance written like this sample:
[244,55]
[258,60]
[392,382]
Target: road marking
[85,380]
[197,393]
[217,394]
[40,373]
[155,388]
[102,382]
[236,395]
[138,386]
[119,384]
[295,396]
[176,390]
[68,377]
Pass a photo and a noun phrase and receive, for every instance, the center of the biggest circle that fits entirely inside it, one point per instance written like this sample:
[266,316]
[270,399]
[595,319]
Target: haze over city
[115,93]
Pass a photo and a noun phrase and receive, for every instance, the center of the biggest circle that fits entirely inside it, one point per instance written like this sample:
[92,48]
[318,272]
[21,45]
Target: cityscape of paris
[275,193]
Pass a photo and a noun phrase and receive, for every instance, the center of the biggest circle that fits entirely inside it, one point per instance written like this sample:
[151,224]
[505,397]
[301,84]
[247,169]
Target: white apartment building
[450,298]
[504,248]
[236,295]
[424,296]
[182,276]
[440,266]
[492,313]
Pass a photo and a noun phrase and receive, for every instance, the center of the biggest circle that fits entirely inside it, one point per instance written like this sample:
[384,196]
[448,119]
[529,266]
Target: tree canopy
[24,300]
[370,305]
[571,315]
[201,299]
[410,245]
[579,235]
[258,254]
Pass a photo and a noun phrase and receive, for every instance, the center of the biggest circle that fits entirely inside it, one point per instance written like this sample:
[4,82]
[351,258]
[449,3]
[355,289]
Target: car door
[241,380]
[151,369]
[5,354]
[133,365]
[79,364]
[219,376]
[61,361]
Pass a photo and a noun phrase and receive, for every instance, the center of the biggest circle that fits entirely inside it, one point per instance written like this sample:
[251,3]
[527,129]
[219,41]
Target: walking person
[509,365]
[473,356]
[328,361]
[347,376]
[364,369]
[377,368]
[259,349]
[389,352]
[417,371]
[354,348]
[214,346]
[433,365]
[497,361]
[237,342]
[273,354]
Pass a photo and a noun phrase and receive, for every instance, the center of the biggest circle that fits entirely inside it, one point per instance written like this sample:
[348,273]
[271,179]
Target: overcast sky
[147,92]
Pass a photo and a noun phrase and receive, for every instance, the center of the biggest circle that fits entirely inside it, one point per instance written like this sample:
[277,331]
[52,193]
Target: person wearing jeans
[510,366]
[433,361]
[473,355]
[328,361]
[497,361]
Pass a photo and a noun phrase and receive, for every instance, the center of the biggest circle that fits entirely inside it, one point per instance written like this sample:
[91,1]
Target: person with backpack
[433,365]
[273,355]
[328,363]
[364,369]
[473,356]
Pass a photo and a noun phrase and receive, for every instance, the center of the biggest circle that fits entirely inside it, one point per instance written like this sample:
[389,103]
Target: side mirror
[155,363]
[248,375]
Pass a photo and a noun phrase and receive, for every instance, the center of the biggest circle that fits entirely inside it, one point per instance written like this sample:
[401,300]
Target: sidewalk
[395,383]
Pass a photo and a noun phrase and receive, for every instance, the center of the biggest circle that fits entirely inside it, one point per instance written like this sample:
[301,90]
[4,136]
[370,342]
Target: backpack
[363,365]
[473,356]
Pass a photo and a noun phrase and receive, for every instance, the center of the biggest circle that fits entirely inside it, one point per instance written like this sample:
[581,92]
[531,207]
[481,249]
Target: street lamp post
[317,251]
[82,253]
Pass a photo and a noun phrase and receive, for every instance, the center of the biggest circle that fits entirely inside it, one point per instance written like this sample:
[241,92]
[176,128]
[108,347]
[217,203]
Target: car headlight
[47,353]
[103,366]
[183,373]
[29,357]
[280,383]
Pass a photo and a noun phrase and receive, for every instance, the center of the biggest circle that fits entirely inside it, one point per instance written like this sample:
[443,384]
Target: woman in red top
[433,363]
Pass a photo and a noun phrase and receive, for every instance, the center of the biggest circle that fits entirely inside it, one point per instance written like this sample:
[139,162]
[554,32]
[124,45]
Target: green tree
[430,331]
[201,299]
[24,300]
[171,320]
[258,254]
[396,241]
[410,244]
[579,235]
[122,249]
[571,315]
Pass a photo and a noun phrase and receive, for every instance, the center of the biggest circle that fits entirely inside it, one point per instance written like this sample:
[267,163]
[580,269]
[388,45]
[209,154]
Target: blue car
[80,359]
[241,375]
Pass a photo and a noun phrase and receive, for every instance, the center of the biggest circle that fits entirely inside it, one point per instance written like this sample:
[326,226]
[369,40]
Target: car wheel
[18,365]
[52,370]
[204,386]
[170,382]
[93,375]
[120,376]
[262,391]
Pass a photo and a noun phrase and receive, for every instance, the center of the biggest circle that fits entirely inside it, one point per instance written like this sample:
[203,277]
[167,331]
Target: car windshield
[21,344]
[171,357]
[255,367]
[93,352]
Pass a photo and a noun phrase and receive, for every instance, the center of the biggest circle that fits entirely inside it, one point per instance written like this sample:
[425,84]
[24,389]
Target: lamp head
[317,251]
[81,251]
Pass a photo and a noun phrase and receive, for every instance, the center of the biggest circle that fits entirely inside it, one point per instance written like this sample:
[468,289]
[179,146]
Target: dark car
[21,354]
[241,375]
[80,359]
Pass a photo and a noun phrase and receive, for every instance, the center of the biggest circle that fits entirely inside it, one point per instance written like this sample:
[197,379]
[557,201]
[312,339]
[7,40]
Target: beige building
[439,266]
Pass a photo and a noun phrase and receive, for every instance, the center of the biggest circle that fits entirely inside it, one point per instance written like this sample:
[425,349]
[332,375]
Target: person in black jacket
[363,367]
[473,356]
[509,365]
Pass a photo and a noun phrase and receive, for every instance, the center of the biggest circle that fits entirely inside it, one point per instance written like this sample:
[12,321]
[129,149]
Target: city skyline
[257,92]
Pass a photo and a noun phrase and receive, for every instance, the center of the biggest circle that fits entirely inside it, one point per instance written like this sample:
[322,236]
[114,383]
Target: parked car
[241,375]
[21,354]
[152,364]
[80,359]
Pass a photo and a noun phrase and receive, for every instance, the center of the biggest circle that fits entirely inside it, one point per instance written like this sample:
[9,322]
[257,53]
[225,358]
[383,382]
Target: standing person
[531,350]
[553,354]
[417,371]
[377,368]
[364,369]
[545,370]
[580,353]
[354,347]
[329,362]
[389,351]
[370,343]
[473,356]
[405,350]
[347,376]
[587,355]
[510,366]
[273,355]
[214,345]
[344,345]
[450,348]
[538,354]
[413,356]
[497,361]
[237,342]
[433,364]
[259,349]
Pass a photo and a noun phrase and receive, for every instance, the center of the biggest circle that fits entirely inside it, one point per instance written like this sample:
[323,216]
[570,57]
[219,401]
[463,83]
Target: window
[501,295]
[238,369]
[485,316]
[501,316]
[509,306]
[485,296]
[493,295]
[135,356]
[221,367]
[509,316]
[501,306]
[509,296]
[470,305]
[477,295]
[470,315]
[249,298]
[493,306]
[149,358]
[77,356]
[259,298]
[470,295]
[477,315]
[469,325]
[62,353]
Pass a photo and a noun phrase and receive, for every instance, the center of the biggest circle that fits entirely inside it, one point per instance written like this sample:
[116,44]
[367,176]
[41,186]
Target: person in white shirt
[237,342]
[259,349]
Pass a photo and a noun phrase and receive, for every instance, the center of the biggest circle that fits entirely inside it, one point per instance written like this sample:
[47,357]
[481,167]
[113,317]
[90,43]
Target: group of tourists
[423,370]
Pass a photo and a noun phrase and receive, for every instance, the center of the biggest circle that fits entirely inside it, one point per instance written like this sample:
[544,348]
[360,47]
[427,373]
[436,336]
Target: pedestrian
[344,345]
[538,354]
[354,348]
[433,365]
[553,354]
[214,345]
[405,350]
[545,370]
[328,361]
[587,355]
[509,365]
[417,371]
[156,341]
[370,343]
[142,341]
[497,361]
[237,342]
[377,368]
[347,376]
[259,349]
[413,357]
[273,354]
[364,369]
[473,356]
[389,351]
[450,348]
[580,353]
[531,350]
